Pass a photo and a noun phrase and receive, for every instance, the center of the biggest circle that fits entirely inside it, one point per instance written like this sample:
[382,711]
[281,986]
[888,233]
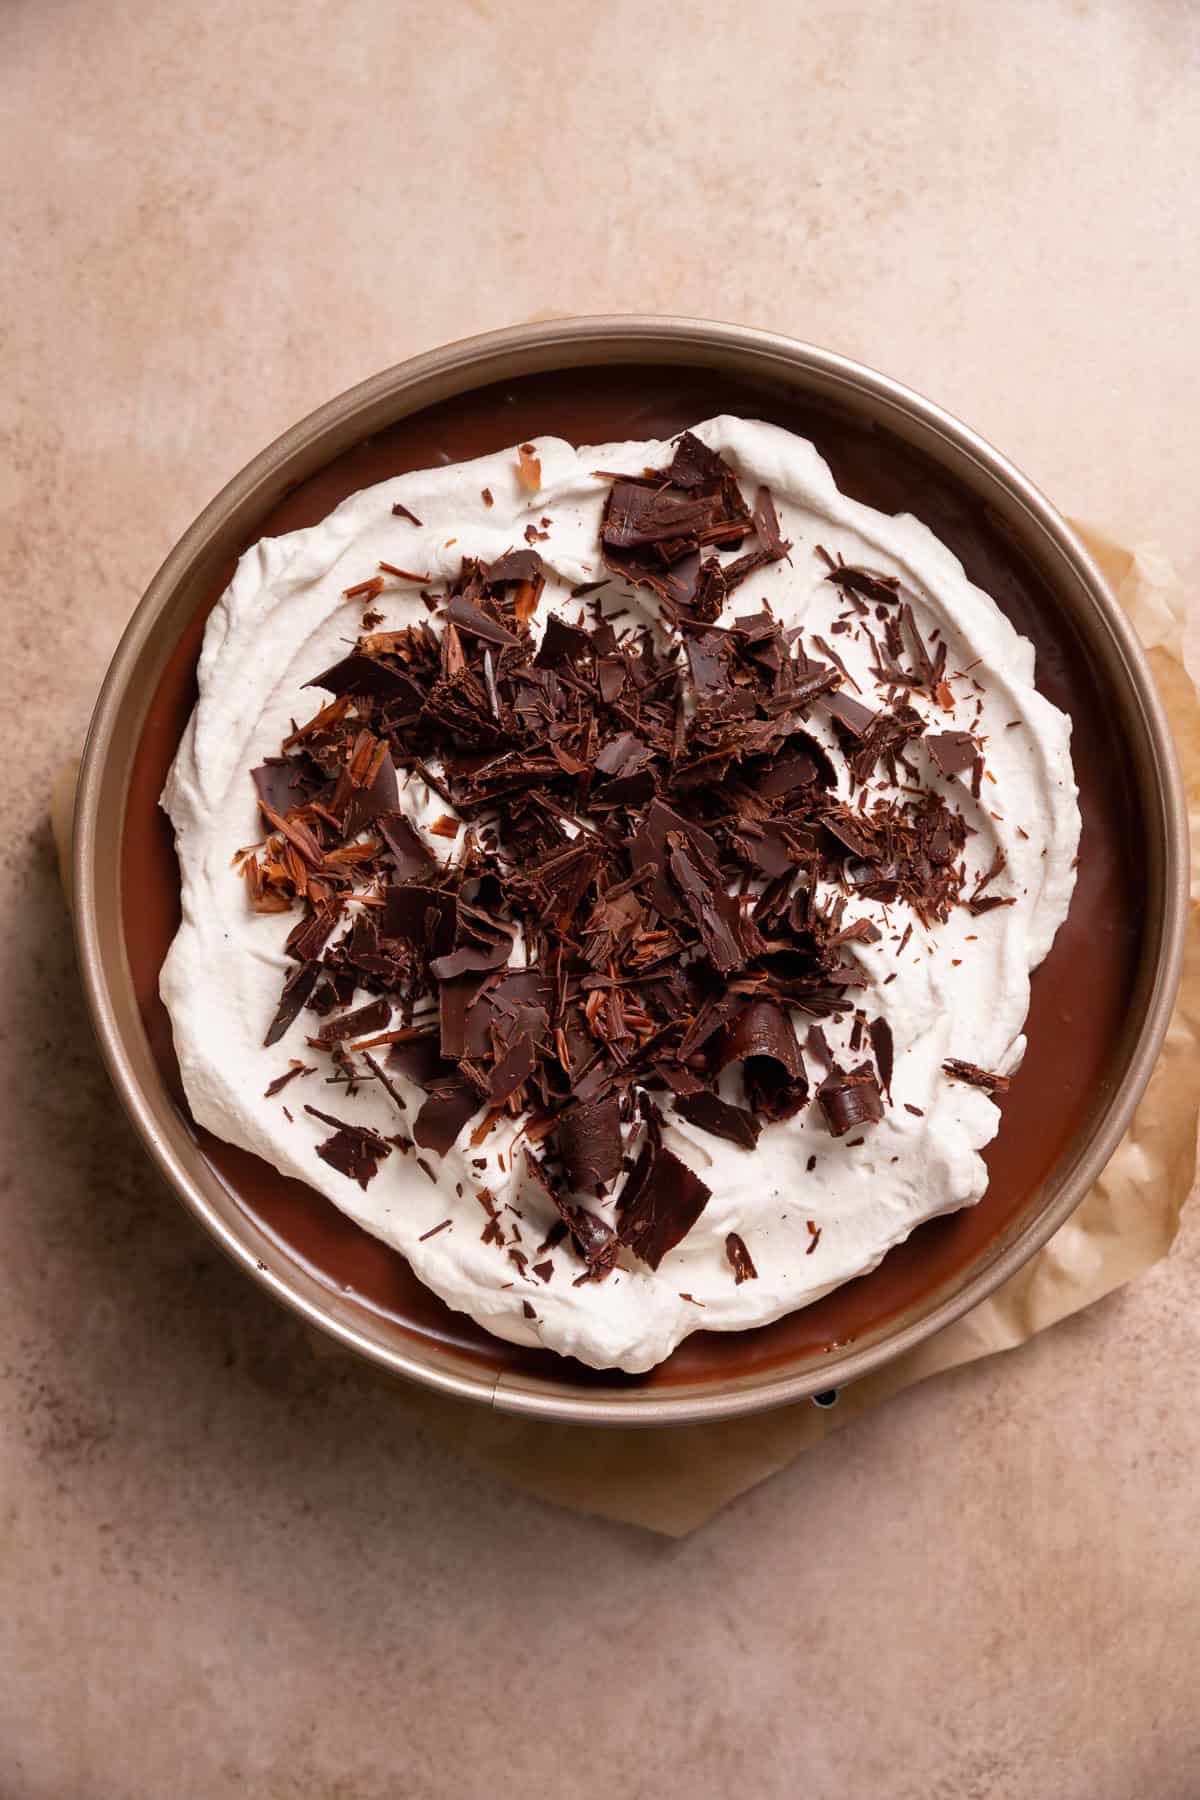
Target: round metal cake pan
[229,522]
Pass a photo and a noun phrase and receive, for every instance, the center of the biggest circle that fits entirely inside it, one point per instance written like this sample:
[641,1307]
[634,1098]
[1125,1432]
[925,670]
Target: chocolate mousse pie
[612,876]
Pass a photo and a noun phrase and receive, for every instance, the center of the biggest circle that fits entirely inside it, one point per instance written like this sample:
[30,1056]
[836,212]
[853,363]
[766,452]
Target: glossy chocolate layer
[1080,994]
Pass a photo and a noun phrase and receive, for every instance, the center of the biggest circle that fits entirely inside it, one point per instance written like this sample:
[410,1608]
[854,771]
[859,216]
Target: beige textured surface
[227,1568]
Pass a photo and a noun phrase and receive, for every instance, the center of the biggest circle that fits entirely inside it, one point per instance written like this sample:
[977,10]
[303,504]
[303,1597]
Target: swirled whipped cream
[928,1020]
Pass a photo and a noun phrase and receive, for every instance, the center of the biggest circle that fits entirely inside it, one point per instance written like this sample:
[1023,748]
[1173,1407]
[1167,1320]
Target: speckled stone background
[226,1567]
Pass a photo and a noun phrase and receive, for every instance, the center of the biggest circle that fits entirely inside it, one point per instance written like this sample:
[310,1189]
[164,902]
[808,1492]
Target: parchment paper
[672,1481]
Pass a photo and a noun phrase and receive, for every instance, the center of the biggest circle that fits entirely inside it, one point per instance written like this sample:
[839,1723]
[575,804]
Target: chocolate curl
[850,1100]
[761,1037]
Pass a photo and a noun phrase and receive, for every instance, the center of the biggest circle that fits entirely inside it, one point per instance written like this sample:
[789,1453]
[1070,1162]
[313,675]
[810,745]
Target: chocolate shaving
[514,1068]
[660,1202]
[353,1150]
[635,515]
[402,512]
[362,1022]
[297,990]
[442,1117]
[766,523]
[411,856]
[590,1143]
[529,469]
[884,589]
[975,1076]
[882,1044]
[280,1082]
[364,676]
[739,1260]
[594,1239]
[306,940]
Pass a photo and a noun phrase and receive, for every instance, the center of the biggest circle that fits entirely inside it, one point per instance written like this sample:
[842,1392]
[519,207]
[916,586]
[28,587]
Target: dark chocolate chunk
[707,660]
[362,675]
[660,1202]
[443,1115]
[623,755]
[425,916]
[954,752]
[848,712]
[514,566]
[281,785]
[724,1120]
[514,1067]
[714,910]
[590,1143]
[366,803]
[635,515]
[766,523]
[476,954]
[648,848]
[694,467]
[306,941]
[418,1058]
[562,645]
[364,1021]
[466,616]
[411,855]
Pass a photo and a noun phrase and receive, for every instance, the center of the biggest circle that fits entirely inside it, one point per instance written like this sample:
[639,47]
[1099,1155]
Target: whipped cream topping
[813,1210]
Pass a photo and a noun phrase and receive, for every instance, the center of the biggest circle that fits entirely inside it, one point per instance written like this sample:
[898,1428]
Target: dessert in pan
[612,876]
